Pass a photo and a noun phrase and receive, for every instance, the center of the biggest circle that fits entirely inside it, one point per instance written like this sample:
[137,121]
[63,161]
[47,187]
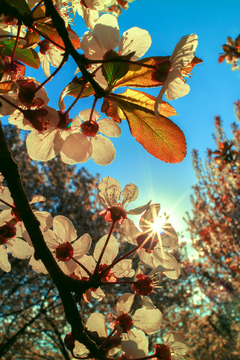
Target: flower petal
[97,322]
[109,191]
[169,239]
[4,263]
[166,263]
[134,344]
[124,303]
[76,149]
[64,229]
[176,86]
[19,249]
[134,40]
[85,115]
[184,51]
[140,209]
[109,128]
[131,231]
[123,269]
[103,150]
[106,32]
[82,245]
[130,193]
[44,147]
[176,343]
[110,252]
[148,320]
[148,218]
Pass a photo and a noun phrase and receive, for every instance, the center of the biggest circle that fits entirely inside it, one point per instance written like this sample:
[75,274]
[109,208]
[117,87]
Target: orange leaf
[146,101]
[6,86]
[139,76]
[160,137]
[111,109]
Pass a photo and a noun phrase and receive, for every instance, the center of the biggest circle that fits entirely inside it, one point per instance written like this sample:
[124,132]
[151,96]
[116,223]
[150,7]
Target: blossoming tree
[104,63]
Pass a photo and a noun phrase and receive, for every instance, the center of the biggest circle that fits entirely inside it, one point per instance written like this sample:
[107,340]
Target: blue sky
[214,88]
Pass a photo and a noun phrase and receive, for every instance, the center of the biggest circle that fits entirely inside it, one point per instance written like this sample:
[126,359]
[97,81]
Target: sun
[157,226]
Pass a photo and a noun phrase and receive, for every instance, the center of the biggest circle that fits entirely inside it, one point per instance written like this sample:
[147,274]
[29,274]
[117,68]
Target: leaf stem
[47,38]
[4,202]
[105,61]
[117,282]
[82,266]
[65,57]
[93,107]
[16,42]
[103,250]
[12,104]
[120,259]
[77,98]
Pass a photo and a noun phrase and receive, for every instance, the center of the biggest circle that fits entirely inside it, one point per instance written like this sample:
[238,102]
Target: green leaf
[27,56]
[73,89]
[151,76]
[160,137]
[39,12]
[31,38]
[20,5]
[114,70]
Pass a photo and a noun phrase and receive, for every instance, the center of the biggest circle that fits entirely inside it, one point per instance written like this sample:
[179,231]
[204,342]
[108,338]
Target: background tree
[214,226]
[31,312]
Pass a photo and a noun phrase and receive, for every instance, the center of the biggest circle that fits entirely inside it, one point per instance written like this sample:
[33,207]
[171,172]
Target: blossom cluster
[128,331]
[105,61]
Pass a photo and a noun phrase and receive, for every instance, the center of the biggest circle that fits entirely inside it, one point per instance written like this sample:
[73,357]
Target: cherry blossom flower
[153,244]
[63,243]
[19,248]
[25,97]
[80,146]
[172,349]
[49,54]
[175,86]
[147,319]
[115,201]
[105,37]
[120,270]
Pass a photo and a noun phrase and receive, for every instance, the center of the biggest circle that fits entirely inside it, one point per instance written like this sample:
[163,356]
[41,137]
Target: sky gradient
[214,88]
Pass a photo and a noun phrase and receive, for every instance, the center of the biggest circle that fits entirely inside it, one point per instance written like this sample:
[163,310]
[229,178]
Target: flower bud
[64,251]
[162,352]
[143,285]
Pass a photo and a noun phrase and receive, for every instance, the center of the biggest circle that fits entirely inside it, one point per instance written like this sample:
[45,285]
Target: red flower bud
[143,285]
[162,352]
[69,342]
[90,128]
[64,251]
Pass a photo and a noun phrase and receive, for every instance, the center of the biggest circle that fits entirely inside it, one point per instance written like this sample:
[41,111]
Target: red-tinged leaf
[111,109]
[19,5]
[221,58]
[191,65]
[27,56]
[146,101]
[50,31]
[6,86]
[74,38]
[31,38]
[160,137]
[73,89]
[39,12]
[140,76]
